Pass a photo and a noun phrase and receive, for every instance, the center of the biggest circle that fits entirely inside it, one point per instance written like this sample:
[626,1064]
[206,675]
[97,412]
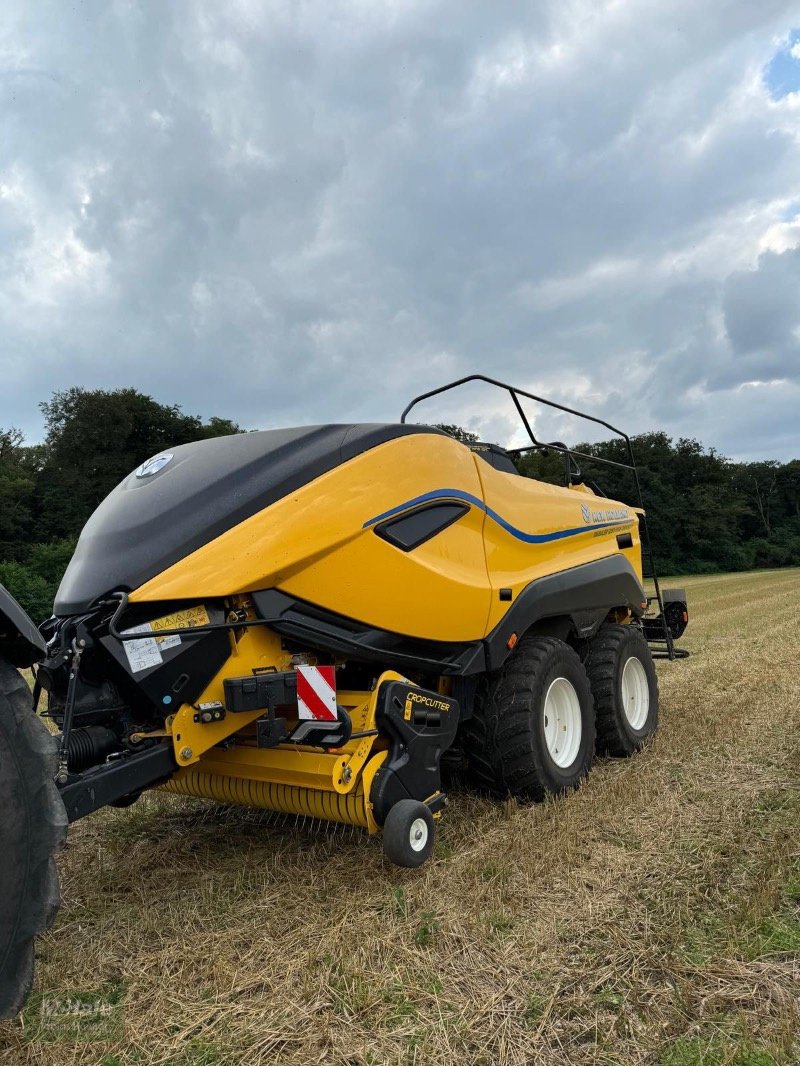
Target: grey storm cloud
[762,319]
[287,212]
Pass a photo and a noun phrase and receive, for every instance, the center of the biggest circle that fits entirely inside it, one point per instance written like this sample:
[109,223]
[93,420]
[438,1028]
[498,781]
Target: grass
[652,917]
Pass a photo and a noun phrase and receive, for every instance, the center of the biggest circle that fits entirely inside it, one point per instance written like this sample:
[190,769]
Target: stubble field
[651,917]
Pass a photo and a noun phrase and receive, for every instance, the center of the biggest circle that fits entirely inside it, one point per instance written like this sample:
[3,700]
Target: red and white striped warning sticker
[316,693]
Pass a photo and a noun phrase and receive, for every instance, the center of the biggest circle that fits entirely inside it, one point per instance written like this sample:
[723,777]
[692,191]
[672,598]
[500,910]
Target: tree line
[705,513]
[93,439]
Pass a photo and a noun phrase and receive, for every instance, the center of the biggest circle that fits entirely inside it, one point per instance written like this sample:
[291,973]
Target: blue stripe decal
[467,497]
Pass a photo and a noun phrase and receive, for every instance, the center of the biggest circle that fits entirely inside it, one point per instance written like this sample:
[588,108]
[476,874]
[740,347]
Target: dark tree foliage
[34,581]
[463,435]
[704,513]
[543,466]
[94,439]
[19,467]
[47,492]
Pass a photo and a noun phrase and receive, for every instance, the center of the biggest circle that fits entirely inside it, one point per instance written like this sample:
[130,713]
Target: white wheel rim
[418,834]
[563,726]
[635,693]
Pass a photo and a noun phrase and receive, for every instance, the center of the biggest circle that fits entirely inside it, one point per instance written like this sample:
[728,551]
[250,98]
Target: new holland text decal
[614,514]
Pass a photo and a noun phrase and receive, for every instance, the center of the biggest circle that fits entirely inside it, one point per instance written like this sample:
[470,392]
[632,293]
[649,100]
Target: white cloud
[297,212]
[782,236]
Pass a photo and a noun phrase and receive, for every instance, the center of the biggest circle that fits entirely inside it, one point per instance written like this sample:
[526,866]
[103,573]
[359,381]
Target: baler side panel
[534,530]
[318,545]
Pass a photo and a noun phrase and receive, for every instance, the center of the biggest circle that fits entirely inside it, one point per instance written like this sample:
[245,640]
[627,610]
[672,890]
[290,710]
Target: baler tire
[408,833]
[33,826]
[505,739]
[608,655]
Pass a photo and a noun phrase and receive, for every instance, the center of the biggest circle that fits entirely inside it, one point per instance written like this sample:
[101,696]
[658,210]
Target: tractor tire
[625,689]
[532,730]
[33,826]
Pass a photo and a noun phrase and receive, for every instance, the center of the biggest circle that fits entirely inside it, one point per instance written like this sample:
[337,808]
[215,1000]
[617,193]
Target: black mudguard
[21,643]
[583,594]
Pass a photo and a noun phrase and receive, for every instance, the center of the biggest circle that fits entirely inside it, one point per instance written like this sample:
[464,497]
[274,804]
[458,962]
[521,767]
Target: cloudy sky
[299,211]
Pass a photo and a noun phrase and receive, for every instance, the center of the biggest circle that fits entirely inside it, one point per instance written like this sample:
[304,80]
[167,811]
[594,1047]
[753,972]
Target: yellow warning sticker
[145,652]
[188,618]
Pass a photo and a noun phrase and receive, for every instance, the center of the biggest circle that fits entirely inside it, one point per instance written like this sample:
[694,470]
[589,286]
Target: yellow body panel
[536,508]
[318,543]
[313,544]
[258,649]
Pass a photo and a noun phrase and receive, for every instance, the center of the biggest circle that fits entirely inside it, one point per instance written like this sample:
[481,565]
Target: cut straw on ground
[651,917]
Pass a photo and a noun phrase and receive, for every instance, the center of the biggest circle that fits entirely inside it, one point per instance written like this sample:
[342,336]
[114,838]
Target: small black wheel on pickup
[408,833]
[625,689]
[532,729]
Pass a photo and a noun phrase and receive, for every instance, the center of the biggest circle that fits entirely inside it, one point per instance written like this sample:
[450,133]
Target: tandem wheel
[408,833]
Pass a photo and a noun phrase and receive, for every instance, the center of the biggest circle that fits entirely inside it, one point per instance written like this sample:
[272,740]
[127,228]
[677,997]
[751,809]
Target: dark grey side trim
[320,628]
[577,593]
[20,641]
[674,595]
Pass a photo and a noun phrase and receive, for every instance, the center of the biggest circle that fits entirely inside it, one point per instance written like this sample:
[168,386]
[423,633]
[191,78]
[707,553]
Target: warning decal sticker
[188,618]
[145,653]
[142,654]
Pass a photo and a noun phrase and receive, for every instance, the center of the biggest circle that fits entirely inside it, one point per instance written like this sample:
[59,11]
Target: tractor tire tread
[27,790]
[500,760]
[601,664]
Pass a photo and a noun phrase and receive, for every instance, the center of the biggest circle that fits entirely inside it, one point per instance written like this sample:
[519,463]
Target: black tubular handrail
[515,394]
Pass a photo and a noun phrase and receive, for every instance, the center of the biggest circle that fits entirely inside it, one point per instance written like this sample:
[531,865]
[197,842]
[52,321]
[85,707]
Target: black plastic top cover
[190,494]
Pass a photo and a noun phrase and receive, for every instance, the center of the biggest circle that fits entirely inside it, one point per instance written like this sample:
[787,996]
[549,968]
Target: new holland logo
[152,466]
[617,514]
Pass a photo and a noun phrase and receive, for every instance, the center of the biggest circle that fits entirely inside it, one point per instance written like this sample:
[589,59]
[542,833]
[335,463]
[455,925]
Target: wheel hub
[563,725]
[635,693]
[419,834]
